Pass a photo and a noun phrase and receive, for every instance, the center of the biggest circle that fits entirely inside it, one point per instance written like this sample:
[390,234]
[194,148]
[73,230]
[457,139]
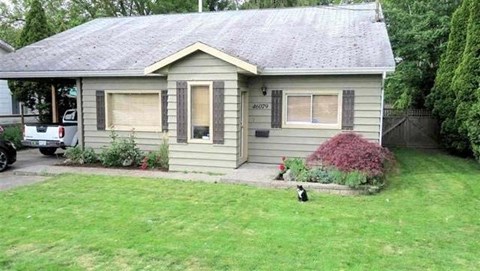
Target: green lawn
[428,218]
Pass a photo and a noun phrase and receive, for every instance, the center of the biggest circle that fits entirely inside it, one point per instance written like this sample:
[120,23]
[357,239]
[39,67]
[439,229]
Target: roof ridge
[326,7]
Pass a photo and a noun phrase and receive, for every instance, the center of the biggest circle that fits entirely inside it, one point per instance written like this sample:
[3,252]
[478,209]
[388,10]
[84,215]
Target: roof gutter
[72,74]
[140,73]
[339,71]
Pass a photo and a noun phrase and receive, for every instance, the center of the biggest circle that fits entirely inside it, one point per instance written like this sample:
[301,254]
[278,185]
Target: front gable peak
[199,46]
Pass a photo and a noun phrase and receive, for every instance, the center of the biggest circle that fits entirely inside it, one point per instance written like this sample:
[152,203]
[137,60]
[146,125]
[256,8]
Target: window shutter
[348,109]
[182,121]
[277,108]
[100,94]
[218,112]
[165,110]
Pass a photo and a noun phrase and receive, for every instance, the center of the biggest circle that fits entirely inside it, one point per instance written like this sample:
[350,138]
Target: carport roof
[308,40]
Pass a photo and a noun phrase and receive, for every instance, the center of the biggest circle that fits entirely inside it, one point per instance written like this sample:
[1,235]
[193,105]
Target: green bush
[319,175]
[89,156]
[78,156]
[355,178]
[295,165]
[74,155]
[14,134]
[122,152]
[157,159]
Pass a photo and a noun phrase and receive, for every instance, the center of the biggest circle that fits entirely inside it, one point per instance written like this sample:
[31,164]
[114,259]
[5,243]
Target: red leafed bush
[351,152]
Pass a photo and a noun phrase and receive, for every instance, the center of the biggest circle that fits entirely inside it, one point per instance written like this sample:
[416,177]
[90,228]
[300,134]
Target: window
[313,110]
[200,112]
[133,110]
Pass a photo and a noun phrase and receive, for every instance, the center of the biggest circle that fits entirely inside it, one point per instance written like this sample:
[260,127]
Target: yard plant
[426,219]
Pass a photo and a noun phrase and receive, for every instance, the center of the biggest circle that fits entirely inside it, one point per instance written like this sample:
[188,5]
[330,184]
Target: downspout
[384,75]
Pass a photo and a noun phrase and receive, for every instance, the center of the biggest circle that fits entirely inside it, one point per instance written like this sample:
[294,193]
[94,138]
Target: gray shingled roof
[323,38]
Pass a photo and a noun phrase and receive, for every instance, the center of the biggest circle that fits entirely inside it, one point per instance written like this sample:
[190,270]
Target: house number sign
[261,106]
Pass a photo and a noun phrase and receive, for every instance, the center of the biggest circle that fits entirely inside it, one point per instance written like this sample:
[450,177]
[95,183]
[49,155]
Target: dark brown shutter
[100,94]
[165,110]
[218,112]
[348,109]
[277,108]
[182,114]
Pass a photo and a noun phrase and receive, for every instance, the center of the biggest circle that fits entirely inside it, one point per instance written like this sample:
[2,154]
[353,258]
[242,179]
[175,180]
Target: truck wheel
[3,160]
[48,151]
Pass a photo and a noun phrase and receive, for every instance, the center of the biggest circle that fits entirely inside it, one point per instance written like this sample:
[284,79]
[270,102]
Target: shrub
[319,175]
[14,134]
[122,152]
[348,152]
[89,156]
[355,178]
[75,155]
[295,165]
[156,159]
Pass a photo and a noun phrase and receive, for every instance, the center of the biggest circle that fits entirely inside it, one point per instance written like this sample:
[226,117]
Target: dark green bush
[14,134]
[75,155]
[122,152]
[320,175]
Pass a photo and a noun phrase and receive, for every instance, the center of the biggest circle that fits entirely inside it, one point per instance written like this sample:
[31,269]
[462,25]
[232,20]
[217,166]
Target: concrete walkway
[32,167]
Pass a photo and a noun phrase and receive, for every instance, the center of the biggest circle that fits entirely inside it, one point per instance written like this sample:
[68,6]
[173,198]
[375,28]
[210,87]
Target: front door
[244,127]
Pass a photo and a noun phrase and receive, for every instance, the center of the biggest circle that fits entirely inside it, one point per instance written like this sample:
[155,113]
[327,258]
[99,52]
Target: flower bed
[121,153]
[346,159]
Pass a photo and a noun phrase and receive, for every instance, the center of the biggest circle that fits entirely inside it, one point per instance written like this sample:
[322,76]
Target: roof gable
[199,46]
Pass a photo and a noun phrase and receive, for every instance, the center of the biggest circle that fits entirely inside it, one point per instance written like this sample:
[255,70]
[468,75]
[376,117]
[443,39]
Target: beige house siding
[97,139]
[204,156]
[298,142]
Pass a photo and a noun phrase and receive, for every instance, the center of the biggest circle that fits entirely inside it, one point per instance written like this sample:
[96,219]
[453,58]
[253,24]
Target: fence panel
[413,128]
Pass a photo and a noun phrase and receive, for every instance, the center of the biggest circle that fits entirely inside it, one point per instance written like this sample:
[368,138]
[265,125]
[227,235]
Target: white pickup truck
[49,137]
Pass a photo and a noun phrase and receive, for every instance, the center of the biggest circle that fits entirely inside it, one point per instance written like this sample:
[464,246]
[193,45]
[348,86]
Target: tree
[442,98]
[466,82]
[418,32]
[35,95]
[456,96]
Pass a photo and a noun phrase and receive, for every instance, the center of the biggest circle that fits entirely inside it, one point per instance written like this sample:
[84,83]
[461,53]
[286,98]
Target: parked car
[49,137]
[8,153]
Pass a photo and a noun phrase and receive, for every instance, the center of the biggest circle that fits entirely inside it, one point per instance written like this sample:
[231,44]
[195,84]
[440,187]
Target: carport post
[79,85]
[54,105]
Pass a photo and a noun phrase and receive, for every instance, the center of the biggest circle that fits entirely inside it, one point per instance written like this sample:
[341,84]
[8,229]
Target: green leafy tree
[418,32]
[466,82]
[442,98]
[35,95]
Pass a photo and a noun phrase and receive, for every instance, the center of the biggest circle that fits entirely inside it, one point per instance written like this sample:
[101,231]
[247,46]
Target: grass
[426,219]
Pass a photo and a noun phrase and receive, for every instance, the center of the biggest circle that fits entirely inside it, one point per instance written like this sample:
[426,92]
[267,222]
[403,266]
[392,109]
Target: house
[223,87]
[8,105]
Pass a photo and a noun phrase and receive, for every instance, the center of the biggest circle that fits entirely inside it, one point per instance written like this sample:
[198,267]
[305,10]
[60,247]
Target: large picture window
[200,112]
[313,110]
[139,111]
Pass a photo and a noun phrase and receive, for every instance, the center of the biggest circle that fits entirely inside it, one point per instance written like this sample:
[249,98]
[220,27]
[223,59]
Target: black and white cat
[302,193]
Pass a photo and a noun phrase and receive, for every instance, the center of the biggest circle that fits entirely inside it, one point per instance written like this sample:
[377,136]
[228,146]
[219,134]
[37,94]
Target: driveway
[27,158]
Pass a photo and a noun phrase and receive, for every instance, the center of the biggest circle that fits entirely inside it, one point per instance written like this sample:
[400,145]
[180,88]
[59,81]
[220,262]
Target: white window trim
[108,127]
[310,125]
[189,111]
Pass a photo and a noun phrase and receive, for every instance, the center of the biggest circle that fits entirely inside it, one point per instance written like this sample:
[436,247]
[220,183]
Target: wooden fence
[6,120]
[413,128]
